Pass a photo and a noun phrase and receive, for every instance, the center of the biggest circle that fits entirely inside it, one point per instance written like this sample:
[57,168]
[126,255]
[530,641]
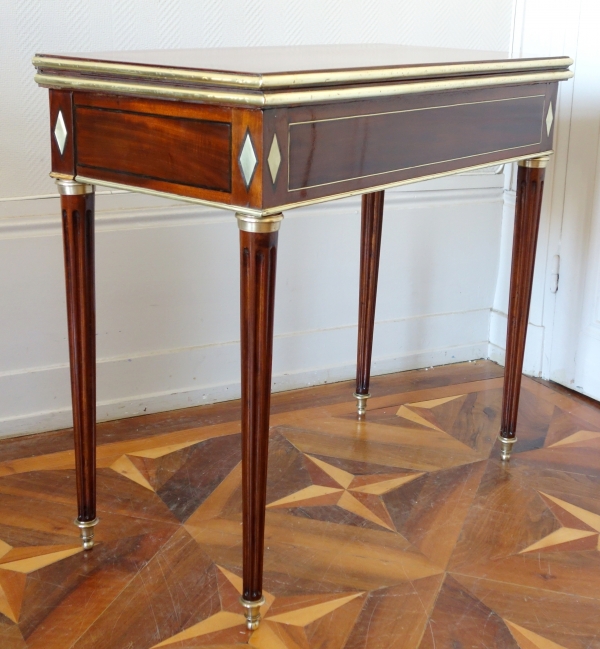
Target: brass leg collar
[535,163]
[252,612]
[361,403]
[506,446]
[73,188]
[248,223]
[87,532]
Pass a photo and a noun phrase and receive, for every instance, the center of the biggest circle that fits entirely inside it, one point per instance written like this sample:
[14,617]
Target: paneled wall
[167,273]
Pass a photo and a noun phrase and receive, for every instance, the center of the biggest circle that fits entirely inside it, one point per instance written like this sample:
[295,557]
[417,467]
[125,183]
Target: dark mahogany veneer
[260,130]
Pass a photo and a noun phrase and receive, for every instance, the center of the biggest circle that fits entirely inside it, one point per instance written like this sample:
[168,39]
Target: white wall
[167,275]
[542,28]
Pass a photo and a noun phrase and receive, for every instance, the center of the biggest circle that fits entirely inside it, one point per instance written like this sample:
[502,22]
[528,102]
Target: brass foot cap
[252,612]
[361,403]
[87,532]
[506,446]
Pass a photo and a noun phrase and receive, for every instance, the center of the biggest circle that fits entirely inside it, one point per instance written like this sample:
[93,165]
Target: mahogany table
[261,130]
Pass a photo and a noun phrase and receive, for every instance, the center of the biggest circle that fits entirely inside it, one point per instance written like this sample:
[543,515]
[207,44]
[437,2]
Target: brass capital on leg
[535,163]
[252,612]
[248,223]
[73,188]
[87,532]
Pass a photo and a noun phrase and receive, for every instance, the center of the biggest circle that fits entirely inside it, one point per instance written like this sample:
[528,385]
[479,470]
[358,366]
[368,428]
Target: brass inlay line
[410,110]
[282,80]
[413,110]
[291,97]
[269,211]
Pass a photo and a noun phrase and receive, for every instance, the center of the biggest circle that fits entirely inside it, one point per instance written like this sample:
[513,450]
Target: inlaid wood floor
[402,531]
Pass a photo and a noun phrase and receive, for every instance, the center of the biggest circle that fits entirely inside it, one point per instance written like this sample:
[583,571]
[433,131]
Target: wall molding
[37,399]
[41,216]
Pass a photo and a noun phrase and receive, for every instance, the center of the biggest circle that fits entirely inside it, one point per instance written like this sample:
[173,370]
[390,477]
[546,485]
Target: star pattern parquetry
[357,494]
[17,563]
[402,529]
[285,620]
[569,538]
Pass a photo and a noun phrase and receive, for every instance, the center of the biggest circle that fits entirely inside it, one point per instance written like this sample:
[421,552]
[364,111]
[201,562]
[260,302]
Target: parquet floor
[403,531]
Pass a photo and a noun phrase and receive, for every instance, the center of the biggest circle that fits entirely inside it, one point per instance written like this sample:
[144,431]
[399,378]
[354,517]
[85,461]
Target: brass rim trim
[506,440]
[248,223]
[73,188]
[291,97]
[258,213]
[298,79]
[86,524]
[535,163]
[246,603]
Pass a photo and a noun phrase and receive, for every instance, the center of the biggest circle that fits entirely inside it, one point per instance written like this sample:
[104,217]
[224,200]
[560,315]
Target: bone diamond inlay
[60,132]
[274,158]
[549,119]
[248,160]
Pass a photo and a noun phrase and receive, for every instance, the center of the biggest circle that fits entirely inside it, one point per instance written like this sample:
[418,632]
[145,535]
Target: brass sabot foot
[87,532]
[361,403]
[252,612]
[506,446]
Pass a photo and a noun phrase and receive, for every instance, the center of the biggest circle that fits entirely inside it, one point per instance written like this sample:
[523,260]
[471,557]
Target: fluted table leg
[77,202]
[258,260]
[370,246]
[530,186]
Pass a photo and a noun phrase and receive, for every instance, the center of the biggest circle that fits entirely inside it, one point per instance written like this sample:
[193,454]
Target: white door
[571,349]
[575,344]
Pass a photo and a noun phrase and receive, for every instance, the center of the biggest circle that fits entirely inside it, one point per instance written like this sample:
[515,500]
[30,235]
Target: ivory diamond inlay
[60,132]
[549,119]
[274,158]
[248,160]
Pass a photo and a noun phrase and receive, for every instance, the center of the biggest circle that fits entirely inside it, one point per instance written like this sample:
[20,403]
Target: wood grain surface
[173,149]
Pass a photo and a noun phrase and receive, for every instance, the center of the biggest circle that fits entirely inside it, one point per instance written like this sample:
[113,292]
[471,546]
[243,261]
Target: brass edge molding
[298,79]
[540,162]
[148,71]
[285,98]
[248,223]
[408,88]
[271,211]
[208,95]
[344,77]
[177,197]
[57,175]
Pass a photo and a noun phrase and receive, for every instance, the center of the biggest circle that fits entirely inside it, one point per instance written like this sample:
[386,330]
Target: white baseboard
[182,378]
[532,363]
[35,399]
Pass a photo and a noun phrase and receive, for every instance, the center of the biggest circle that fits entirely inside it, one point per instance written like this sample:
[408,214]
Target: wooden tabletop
[265,76]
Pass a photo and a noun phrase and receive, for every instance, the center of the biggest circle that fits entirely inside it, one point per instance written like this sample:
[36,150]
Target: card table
[262,130]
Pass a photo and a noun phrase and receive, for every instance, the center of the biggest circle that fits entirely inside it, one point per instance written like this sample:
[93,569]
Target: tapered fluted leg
[530,186]
[77,202]
[370,246]
[258,259]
